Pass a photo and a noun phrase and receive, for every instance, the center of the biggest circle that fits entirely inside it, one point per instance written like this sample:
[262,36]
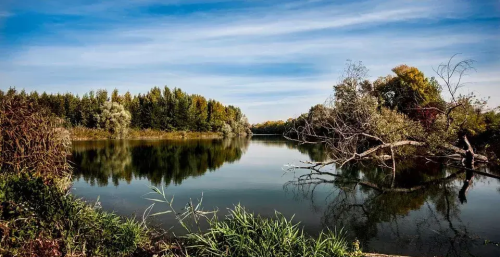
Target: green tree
[200,113]
[114,118]
[216,115]
[115,97]
[408,91]
[183,117]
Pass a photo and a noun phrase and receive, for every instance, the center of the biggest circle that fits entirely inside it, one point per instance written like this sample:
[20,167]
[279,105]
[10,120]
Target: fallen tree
[395,117]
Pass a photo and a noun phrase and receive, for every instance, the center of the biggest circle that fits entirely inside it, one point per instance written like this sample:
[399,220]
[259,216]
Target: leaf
[160,213]
[156,200]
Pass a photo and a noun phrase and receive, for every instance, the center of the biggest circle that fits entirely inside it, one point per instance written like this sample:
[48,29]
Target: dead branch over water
[389,120]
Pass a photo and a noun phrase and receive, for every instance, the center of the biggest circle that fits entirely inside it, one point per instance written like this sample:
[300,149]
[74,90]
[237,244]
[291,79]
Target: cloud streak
[281,57]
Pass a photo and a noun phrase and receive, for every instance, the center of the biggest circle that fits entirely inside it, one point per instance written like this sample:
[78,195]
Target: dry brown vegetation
[82,133]
[31,141]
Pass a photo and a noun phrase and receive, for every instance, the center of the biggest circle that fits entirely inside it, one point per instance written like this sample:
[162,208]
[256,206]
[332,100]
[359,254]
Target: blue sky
[274,59]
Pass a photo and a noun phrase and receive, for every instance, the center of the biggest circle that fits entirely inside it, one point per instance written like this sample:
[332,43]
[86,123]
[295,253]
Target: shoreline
[84,134]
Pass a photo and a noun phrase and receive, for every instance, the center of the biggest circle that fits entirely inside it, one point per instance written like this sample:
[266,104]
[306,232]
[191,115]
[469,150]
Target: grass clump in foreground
[242,233]
[245,234]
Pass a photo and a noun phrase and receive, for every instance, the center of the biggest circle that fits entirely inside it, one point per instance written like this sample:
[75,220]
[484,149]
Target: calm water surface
[439,220]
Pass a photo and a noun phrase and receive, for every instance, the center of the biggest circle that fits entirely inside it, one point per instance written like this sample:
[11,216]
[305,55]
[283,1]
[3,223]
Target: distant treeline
[284,127]
[271,127]
[167,109]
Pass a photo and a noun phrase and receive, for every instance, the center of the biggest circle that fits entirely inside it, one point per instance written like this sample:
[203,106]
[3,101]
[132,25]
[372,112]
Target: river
[445,218]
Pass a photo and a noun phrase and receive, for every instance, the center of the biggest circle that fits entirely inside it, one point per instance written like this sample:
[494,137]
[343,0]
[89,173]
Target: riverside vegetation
[38,216]
[397,117]
[159,113]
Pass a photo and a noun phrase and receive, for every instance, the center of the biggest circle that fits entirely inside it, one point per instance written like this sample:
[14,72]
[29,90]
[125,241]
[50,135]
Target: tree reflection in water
[315,152]
[169,161]
[374,211]
[172,161]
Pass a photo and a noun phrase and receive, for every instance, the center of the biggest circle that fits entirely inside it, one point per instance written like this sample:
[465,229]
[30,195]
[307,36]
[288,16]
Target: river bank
[81,134]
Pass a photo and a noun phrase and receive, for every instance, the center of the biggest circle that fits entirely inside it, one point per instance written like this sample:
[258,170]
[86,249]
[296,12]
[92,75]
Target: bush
[227,130]
[31,141]
[114,118]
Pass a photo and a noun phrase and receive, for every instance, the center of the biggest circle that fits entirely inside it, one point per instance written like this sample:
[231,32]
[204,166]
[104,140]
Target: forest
[165,110]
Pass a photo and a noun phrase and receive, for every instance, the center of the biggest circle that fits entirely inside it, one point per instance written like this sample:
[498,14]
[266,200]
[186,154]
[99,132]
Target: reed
[242,233]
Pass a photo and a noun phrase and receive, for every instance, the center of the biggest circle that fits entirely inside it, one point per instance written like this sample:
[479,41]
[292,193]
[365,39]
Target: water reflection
[438,210]
[426,221]
[315,152]
[171,161]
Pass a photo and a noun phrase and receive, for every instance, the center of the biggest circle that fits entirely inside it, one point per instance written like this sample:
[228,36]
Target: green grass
[242,233]
[245,234]
[36,219]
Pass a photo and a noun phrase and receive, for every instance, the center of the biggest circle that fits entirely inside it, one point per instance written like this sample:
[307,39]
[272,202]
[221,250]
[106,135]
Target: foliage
[32,142]
[270,127]
[241,127]
[469,117]
[394,117]
[489,138]
[37,216]
[114,118]
[227,130]
[408,90]
[36,219]
[167,110]
[392,126]
[83,133]
[245,234]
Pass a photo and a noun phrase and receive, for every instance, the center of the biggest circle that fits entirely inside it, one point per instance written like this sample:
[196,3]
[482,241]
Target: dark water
[438,220]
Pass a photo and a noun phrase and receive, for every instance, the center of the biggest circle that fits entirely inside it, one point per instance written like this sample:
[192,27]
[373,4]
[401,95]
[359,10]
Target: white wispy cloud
[284,58]
[4,14]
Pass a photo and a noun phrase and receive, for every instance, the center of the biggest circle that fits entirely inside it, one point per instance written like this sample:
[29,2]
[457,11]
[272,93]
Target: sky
[273,59]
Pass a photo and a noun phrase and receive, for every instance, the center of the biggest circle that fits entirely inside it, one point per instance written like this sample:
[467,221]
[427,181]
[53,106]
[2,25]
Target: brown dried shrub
[42,247]
[32,141]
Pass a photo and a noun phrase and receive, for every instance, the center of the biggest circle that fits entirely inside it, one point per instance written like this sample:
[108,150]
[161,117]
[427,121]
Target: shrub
[31,141]
[226,130]
[114,118]
[41,218]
